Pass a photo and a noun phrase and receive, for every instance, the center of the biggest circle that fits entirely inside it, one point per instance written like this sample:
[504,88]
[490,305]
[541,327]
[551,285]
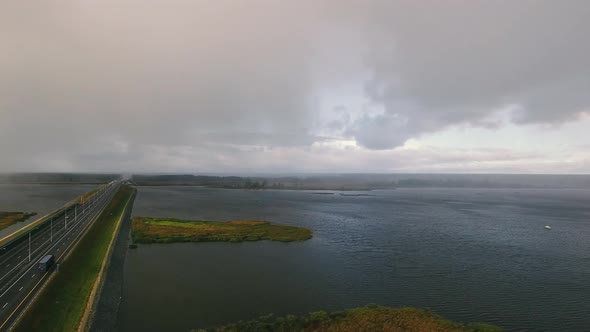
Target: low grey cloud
[168,73]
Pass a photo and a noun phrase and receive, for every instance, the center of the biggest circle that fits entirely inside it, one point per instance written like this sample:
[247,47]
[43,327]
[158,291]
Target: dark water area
[40,198]
[471,255]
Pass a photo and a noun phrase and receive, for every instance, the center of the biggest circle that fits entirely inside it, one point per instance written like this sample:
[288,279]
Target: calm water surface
[469,254]
[40,198]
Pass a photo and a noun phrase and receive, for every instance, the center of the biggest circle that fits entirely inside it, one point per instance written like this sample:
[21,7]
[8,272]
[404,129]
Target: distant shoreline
[352,189]
[268,188]
[335,182]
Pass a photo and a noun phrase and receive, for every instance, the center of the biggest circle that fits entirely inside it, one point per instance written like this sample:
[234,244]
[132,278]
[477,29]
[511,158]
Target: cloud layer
[437,64]
[203,85]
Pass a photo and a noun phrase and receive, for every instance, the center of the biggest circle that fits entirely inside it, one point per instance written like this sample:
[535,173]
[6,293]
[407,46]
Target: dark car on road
[46,262]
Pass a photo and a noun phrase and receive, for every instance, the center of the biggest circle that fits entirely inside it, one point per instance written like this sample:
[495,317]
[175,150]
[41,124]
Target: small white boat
[547,227]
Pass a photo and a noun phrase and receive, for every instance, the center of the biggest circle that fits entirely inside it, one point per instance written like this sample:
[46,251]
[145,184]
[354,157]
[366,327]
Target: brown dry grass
[10,218]
[370,318]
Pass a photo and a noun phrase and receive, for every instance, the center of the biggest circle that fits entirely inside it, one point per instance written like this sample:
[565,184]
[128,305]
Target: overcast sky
[295,86]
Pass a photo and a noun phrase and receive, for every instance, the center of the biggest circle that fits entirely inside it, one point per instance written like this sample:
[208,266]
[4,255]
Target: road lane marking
[20,289]
[33,276]
[14,268]
[21,303]
[5,304]
[32,265]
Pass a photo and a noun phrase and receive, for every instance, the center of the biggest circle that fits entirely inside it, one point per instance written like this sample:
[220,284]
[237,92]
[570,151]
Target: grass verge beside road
[63,301]
[166,230]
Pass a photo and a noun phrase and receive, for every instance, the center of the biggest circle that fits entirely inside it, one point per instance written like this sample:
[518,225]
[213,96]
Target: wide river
[471,255]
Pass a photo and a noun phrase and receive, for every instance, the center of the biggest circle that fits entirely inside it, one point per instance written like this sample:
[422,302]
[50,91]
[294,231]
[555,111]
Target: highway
[20,277]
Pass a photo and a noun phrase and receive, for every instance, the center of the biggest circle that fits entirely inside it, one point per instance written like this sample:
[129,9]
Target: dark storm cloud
[458,61]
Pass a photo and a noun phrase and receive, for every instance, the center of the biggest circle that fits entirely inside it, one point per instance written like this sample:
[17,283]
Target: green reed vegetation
[167,230]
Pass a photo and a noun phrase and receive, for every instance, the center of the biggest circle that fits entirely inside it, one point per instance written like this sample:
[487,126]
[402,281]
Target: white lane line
[5,304]
[24,274]
[8,265]
[18,257]
[20,289]
[14,268]
[33,276]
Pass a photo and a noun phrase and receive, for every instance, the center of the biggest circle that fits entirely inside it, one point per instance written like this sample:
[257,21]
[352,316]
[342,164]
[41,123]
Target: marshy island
[10,218]
[169,230]
[369,318]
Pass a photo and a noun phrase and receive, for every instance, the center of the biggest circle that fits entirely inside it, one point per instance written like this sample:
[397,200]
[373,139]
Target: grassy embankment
[11,218]
[62,303]
[166,230]
[370,318]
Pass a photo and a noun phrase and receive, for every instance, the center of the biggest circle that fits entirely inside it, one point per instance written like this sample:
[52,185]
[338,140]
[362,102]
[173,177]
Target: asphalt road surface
[20,277]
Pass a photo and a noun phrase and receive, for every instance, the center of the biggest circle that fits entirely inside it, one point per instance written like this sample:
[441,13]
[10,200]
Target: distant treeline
[369,181]
[57,178]
[199,180]
[236,182]
[318,181]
